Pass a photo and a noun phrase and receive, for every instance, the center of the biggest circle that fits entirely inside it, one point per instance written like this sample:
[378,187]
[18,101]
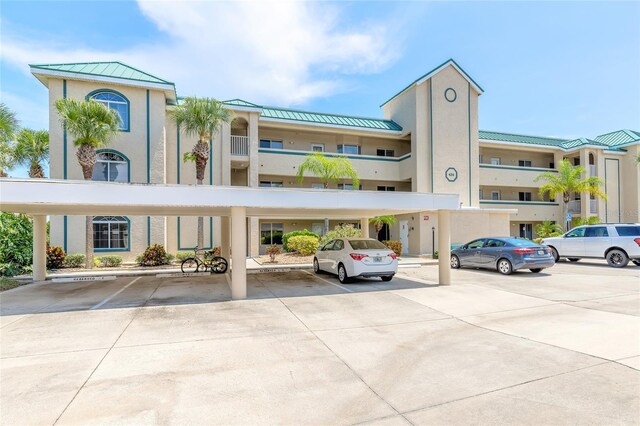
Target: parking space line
[113,295]
[327,281]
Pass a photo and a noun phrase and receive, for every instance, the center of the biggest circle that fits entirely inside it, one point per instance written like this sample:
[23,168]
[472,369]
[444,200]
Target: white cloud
[269,52]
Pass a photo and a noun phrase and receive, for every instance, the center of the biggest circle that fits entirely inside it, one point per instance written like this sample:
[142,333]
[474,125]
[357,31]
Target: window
[339,245]
[328,246]
[317,185]
[578,232]
[495,243]
[349,149]
[271,233]
[524,196]
[270,184]
[111,167]
[495,195]
[526,231]
[596,231]
[272,144]
[628,231]
[524,163]
[475,244]
[317,147]
[386,188]
[383,152]
[347,186]
[367,245]
[495,161]
[117,102]
[110,233]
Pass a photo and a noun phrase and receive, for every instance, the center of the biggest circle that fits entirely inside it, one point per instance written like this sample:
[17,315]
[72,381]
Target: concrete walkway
[305,349]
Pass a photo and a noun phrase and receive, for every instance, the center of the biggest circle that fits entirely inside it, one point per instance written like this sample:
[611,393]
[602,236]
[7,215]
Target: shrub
[16,244]
[304,244]
[579,221]
[154,255]
[55,257]
[304,232]
[538,240]
[75,260]
[273,250]
[109,261]
[396,246]
[182,255]
[341,231]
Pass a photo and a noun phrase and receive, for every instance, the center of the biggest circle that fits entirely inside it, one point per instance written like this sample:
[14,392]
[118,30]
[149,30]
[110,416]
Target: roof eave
[333,126]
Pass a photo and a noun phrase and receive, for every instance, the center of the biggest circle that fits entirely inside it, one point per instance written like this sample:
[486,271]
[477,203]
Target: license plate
[540,251]
[377,259]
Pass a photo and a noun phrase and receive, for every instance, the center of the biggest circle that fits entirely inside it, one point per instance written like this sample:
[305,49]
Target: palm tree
[380,221]
[8,128]
[32,148]
[329,170]
[201,117]
[567,181]
[93,125]
[548,229]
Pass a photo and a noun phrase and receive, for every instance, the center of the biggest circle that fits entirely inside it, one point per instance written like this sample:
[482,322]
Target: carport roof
[72,197]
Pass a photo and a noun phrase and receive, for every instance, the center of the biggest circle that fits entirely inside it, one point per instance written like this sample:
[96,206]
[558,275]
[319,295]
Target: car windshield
[367,245]
[522,243]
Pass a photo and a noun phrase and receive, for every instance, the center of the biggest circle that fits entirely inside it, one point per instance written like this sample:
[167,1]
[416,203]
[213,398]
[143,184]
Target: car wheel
[387,278]
[535,270]
[617,258]
[316,266]
[505,267]
[555,254]
[636,262]
[342,274]
[455,262]
[573,259]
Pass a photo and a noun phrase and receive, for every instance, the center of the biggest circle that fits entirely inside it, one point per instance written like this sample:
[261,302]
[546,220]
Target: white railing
[593,205]
[574,206]
[240,145]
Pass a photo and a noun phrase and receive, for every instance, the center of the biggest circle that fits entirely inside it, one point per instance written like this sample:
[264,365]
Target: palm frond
[200,117]
[89,122]
[32,147]
[8,124]
[328,169]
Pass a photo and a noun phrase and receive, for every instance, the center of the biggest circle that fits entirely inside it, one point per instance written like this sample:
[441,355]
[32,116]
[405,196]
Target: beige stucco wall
[613,188]
[510,157]
[509,176]
[630,186]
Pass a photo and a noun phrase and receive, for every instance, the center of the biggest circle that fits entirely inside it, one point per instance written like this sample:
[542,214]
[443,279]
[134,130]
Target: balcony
[515,176]
[528,211]
[240,145]
[576,207]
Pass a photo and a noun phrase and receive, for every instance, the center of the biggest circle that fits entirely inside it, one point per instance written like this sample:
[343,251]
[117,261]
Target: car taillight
[393,256]
[524,250]
[357,256]
[637,240]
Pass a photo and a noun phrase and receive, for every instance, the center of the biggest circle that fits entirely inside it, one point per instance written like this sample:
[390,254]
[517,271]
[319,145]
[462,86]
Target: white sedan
[356,257]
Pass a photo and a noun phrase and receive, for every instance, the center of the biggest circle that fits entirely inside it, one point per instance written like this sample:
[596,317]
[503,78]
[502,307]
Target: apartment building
[427,141]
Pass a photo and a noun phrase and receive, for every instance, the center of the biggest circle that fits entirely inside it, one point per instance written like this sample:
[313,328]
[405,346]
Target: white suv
[617,243]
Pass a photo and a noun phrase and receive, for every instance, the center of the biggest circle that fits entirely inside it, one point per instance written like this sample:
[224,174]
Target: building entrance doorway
[404,235]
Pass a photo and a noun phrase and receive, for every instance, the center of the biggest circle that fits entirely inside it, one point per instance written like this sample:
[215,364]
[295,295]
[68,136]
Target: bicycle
[216,264]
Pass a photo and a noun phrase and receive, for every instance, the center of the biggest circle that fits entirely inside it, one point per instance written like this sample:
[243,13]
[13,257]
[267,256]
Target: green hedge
[304,232]
[304,244]
[109,261]
[16,244]
[75,260]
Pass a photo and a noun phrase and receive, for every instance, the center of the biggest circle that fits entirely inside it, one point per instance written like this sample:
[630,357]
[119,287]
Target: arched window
[115,101]
[110,233]
[111,167]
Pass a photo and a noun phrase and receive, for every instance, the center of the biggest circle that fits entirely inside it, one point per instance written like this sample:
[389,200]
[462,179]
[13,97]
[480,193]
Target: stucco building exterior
[427,141]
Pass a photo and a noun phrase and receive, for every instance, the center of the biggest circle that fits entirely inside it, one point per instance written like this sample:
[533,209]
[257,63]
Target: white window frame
[271,141]
[112,220]
[348,187]
[109,162]
[522,196]
[386,152]
[317,145]
[523,163]
[271,184]
[317,186]
[495,195]
[386,188]
[342,146]
[495,161]
[279,227]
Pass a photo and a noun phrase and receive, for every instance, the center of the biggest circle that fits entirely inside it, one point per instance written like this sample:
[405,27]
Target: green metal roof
[526,139]
[580,142]
[330,119]
[104,69]
[241,103]
[619,137]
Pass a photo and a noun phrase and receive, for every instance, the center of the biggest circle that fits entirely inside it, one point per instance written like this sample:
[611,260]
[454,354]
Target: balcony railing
[240,145]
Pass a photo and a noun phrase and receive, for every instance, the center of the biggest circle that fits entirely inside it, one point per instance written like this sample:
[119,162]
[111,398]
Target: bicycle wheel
[219,265]
[189,265]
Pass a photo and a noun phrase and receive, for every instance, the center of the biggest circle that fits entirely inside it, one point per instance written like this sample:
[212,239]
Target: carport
[42,197]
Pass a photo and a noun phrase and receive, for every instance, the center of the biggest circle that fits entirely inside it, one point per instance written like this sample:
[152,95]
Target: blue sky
[566,69]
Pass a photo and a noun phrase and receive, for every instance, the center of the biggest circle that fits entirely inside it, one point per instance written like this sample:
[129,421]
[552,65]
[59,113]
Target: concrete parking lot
[558,347]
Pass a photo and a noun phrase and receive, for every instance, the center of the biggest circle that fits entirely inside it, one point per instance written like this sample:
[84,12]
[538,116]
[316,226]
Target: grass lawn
[7,283]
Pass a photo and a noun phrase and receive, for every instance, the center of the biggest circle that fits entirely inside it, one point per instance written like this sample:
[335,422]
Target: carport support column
[444,247]
[224,237]
[238,253]
[364,227]
[39,247]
